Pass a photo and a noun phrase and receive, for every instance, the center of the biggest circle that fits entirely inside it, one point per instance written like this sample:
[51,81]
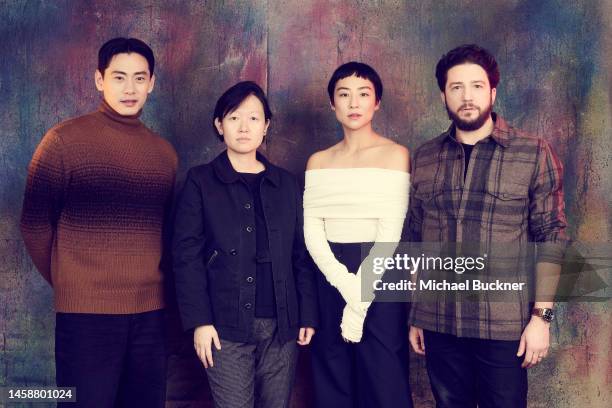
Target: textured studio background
[555,58]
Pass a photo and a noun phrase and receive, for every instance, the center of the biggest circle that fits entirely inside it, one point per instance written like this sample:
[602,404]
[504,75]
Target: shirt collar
[227,174]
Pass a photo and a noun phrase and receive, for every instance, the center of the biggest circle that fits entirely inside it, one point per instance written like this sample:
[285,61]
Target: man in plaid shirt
[484,182]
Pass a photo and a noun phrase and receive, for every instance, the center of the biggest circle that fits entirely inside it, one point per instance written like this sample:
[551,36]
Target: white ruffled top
[353,205]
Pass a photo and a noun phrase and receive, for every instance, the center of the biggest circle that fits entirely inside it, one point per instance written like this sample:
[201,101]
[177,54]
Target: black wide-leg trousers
[371,373]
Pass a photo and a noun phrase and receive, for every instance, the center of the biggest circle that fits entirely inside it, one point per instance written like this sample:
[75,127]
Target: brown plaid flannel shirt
[512,195]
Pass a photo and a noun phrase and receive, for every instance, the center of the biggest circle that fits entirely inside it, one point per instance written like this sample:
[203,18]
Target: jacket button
[247,306]
[249,229]
[233,252]
[250,279]
[247,206]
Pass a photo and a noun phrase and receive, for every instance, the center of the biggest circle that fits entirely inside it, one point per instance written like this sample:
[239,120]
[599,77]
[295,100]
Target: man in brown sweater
[96,204]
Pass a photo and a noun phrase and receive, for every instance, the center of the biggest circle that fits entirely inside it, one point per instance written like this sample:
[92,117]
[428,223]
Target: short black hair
[234,96]
[467,53]
[121,45]
[358,69]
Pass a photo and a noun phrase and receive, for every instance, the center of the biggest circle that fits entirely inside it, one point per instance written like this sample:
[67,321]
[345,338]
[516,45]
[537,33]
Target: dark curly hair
[467,53]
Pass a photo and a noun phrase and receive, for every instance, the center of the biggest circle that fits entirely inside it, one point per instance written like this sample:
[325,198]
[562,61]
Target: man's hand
[305,336]
[535,341]
[417,340]
[203,338]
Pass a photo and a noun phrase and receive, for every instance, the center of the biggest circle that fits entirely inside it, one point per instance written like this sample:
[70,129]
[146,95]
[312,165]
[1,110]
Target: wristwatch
[546,314]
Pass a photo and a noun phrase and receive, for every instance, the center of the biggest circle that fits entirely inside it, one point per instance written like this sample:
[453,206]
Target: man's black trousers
[466,372]
[112,360]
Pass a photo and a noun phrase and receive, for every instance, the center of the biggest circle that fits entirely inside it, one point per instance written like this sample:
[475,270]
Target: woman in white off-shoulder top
[357,196]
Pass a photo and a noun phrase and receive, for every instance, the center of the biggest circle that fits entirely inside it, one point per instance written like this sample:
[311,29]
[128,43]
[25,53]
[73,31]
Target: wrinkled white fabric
[353,205]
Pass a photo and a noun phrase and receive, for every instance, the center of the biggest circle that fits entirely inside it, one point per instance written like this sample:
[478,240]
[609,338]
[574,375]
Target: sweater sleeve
[335,272]
[388,234]
[43,201]
[165,264]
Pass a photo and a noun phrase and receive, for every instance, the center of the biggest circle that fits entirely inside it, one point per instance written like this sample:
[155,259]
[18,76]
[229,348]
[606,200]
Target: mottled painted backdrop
[555,58]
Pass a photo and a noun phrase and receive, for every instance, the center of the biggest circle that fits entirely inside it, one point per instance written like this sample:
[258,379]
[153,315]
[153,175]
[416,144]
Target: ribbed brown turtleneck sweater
[97,196]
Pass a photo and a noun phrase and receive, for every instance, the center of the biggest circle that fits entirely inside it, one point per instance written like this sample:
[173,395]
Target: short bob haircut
[360,70]
[121,45]
[234,96]
[471,54]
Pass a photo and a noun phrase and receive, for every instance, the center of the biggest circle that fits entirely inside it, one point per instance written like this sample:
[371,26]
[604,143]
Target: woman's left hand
[305,336]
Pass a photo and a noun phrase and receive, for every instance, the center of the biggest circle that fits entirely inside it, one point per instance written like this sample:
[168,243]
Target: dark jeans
[112,360]
[371,373]
[466,372]
[258,373]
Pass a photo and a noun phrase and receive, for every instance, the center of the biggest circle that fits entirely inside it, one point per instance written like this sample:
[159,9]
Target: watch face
[546,314]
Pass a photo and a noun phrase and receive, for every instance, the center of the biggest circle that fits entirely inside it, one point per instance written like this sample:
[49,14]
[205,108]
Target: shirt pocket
[506,205]
[437,202]
[426,191]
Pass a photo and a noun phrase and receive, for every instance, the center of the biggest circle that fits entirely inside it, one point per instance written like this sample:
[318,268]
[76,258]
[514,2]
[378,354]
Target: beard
[470,124]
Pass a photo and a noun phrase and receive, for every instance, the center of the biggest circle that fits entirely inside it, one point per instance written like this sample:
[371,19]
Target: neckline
[131,121]
[226,172]
[261,173]
[359,169]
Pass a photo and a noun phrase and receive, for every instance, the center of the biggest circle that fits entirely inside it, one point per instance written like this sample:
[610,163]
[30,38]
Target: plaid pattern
[512,195]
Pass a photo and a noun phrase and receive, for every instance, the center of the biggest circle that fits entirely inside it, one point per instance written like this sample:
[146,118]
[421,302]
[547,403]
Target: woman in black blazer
[244,280]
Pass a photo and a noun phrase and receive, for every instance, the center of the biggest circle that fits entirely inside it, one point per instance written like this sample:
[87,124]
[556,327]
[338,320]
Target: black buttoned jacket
[214,249]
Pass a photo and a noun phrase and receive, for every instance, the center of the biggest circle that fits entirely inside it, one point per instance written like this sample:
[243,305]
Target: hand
[535,341]
[351,325]
[417,340]
[305,336]
[203,337]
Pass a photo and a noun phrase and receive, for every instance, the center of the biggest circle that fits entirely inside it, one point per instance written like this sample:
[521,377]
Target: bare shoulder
[396,156]
[315,160]
[320,159]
